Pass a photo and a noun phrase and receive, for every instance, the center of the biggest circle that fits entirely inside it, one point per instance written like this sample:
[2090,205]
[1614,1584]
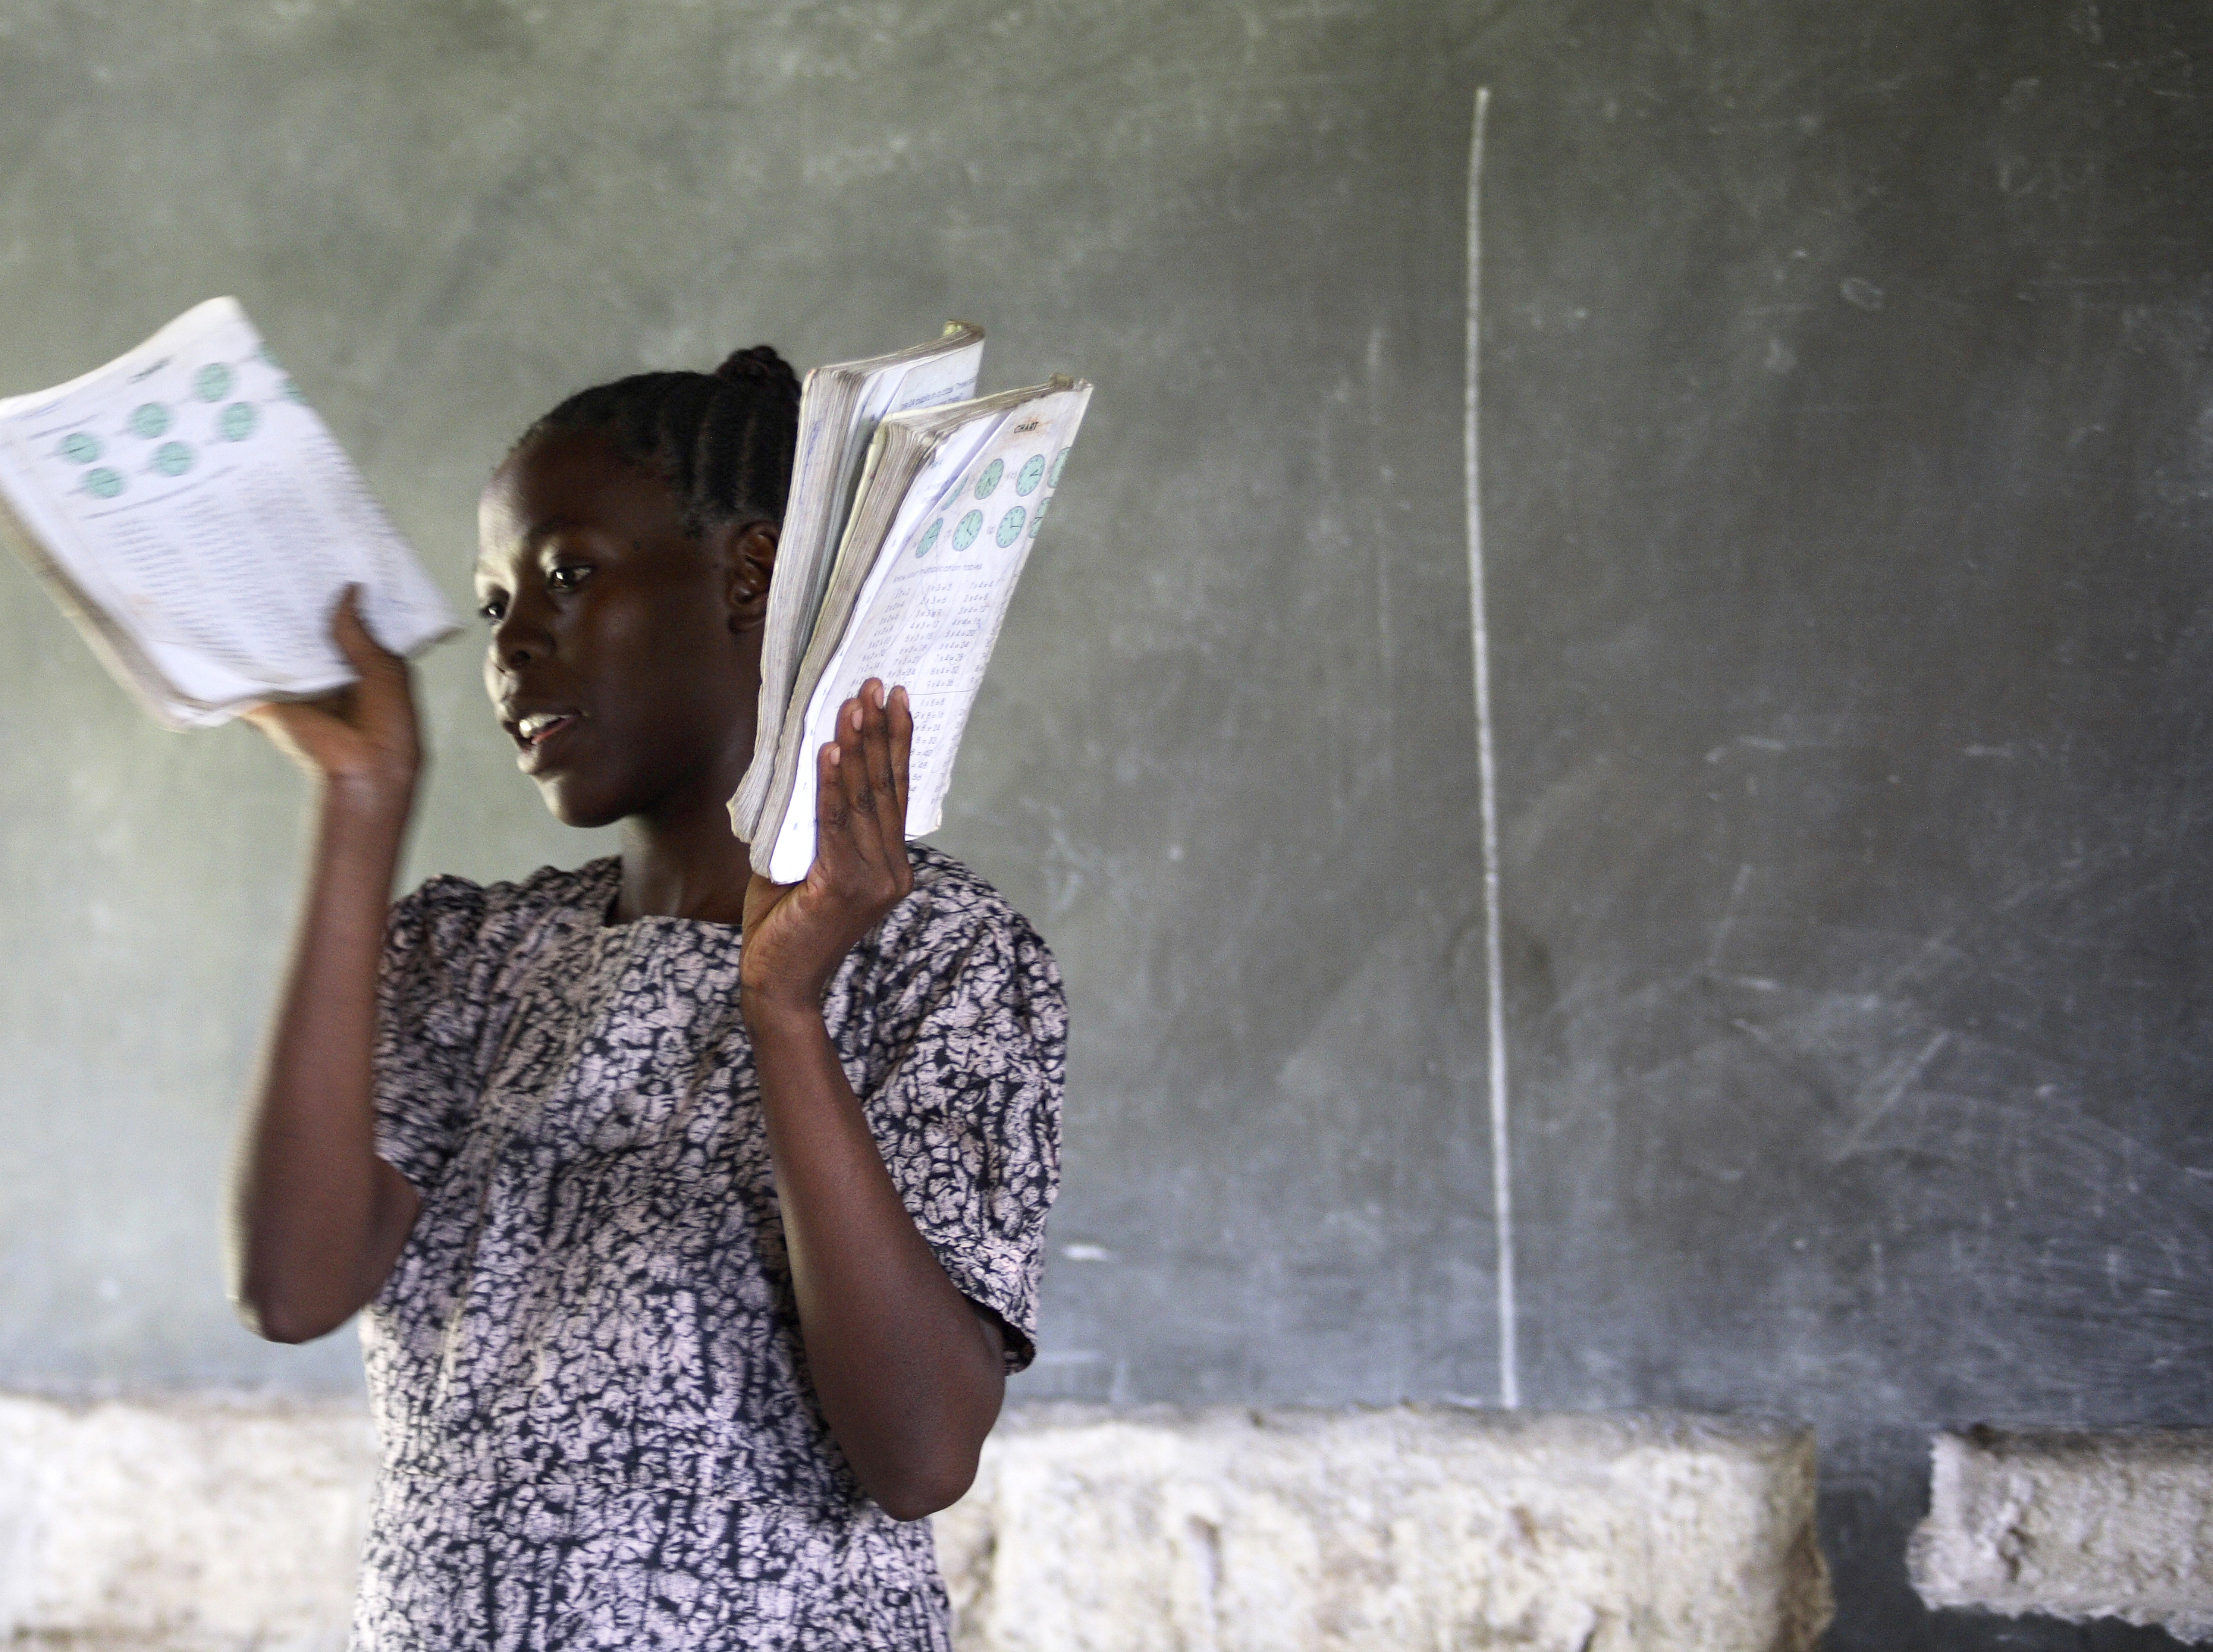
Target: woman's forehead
[575,481]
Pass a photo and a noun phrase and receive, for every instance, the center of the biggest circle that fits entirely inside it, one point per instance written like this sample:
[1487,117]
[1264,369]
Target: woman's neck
[687,865]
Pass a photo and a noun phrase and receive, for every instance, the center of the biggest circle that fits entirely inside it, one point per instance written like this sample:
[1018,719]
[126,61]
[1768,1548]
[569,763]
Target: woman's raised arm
[909,1373]
[317,1218]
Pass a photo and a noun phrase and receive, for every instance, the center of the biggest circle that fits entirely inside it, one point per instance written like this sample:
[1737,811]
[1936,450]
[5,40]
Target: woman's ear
[750,564]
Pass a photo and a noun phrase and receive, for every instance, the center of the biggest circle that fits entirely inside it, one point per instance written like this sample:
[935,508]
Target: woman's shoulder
[954,965]
[953,909]
[956,947]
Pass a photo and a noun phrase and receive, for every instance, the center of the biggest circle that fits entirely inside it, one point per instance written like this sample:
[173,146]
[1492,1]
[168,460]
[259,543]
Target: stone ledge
[203,1524]
[212,1524]
[2072,1525]
[1233,1530]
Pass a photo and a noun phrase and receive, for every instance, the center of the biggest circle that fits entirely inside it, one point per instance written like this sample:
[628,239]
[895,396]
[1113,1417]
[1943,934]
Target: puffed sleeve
[968,1114]
[430,1012]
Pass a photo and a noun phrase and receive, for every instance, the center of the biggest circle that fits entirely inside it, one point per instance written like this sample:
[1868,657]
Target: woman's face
[625,656]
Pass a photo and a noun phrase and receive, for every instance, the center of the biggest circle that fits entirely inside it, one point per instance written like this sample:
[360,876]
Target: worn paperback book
[192,515]
[839,408]
[949,500]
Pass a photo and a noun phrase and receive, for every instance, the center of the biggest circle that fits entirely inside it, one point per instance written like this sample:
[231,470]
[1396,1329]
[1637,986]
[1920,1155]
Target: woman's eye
[567,577]
[490,611]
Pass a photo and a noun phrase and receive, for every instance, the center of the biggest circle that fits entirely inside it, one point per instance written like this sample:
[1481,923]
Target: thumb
[361,650]
[307,734]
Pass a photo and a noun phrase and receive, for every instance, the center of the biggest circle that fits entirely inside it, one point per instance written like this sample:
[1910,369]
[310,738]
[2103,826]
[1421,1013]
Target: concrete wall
[2073,1525]
[1231,1530]
[217,1525]
[197,1525]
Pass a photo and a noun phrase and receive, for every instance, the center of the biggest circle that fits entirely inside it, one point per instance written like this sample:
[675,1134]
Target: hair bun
[761,367]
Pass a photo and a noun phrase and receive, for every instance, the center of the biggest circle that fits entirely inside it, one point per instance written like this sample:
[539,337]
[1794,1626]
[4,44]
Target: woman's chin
[575,805]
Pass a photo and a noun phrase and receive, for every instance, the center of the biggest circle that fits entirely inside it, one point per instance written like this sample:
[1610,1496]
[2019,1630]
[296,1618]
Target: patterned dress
[596,1423]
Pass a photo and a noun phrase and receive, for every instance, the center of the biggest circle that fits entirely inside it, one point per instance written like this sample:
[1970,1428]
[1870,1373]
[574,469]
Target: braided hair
[722,441]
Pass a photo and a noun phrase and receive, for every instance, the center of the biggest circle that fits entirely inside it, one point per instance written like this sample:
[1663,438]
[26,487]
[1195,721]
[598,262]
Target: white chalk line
[1501,1178]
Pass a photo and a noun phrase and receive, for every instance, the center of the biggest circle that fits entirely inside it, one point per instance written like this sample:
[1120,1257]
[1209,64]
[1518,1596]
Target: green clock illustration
[237,421]
[1059,459]
[929,538]
[1032,474]
[81,448]
[1037,521]
[970,526]
[990,478]
[1010,525]
[173,458]
[103,484]
[149,419]
[211,382]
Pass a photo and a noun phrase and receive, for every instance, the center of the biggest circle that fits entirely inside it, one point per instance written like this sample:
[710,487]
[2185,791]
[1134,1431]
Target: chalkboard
[1848,428]
[1846,470]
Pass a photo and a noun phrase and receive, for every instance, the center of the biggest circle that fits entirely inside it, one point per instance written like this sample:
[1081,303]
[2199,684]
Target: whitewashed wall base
[1406,1528]
[225,1524]
[209,1524]
[2073,1525]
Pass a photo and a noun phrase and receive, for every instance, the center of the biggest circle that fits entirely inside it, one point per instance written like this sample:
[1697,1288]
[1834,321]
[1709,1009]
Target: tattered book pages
[950,504]
[839,408]
[198,523]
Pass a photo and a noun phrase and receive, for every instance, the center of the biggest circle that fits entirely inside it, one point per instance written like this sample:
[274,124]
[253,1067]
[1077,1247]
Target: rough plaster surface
[2074,1526]
[1232,1530]
[217,1525]
[191,1525]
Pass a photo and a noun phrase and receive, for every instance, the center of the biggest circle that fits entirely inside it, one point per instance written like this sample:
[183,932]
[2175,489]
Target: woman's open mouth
[538,734]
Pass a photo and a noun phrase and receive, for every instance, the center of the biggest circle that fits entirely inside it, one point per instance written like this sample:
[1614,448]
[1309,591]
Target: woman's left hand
[909,1371]
[797,934]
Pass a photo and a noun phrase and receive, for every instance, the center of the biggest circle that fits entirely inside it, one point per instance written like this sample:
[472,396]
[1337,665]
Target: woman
[696,1220]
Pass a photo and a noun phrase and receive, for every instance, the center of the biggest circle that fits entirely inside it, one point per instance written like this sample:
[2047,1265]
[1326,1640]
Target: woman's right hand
[362,742]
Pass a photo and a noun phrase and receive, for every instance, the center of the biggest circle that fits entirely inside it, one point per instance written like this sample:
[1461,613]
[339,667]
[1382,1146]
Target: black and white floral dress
[596,1424]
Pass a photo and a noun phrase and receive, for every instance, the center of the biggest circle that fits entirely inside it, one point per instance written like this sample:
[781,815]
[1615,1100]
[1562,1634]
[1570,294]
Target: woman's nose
[520,636]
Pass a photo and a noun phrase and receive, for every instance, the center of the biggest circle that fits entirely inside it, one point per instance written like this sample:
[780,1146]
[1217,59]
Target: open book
[199,524]
[949,502]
